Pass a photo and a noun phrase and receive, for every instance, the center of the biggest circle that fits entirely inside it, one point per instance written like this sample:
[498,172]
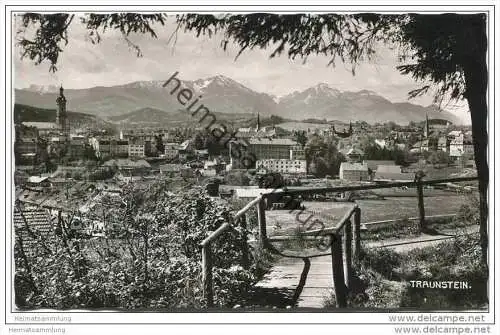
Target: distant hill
[25,113]
[226,96]
[159,118]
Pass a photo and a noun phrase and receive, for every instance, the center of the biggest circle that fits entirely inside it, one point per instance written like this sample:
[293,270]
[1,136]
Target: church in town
[55,135]
[57,131]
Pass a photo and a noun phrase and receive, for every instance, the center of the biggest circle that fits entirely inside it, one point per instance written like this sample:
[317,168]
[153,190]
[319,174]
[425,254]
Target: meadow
[281,222]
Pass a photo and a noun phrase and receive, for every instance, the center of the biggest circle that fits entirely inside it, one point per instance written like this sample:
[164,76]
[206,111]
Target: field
[280,222]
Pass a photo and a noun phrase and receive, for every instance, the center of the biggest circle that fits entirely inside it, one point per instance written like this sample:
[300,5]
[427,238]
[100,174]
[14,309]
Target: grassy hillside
[160,118]
[25,113]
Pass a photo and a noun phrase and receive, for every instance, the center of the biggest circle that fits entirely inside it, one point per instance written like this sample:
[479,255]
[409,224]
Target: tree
[301,137]
[159,144]
[448,51]
[271,180]
[198,142]
[439,157]
[237,178]
[323,157]
[89,153]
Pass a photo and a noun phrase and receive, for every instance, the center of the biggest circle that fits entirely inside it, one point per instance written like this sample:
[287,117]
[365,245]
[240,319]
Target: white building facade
[136,150]
[286,166]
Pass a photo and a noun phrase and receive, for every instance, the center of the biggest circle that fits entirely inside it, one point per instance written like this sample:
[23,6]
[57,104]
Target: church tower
[258,122]
[62,117]
[426,126]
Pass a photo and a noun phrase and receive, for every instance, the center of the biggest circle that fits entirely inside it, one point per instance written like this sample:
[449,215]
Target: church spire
[426,126]
[61,115]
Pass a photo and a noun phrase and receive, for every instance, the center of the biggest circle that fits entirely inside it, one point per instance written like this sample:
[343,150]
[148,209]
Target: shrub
[153,262]
[381,260]
[452,261]
[469,211]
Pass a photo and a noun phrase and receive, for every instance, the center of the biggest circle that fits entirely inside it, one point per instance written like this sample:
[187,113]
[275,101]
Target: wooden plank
[311,302]
[261,217]
[207,275]
[332,230]
[347,254]
[320,292]
[245,254]
[216,233]
[338,271]
[247,207]
[421,209]
[357,233]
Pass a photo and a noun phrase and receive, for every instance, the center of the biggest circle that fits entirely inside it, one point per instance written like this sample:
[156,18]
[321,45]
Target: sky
[113,62]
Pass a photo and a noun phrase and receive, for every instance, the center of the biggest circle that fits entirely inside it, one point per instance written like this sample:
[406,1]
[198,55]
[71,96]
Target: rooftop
[353,166]
[388,169]
[36,179]
[123,162]
[372,164]
[42,125]
[354,151]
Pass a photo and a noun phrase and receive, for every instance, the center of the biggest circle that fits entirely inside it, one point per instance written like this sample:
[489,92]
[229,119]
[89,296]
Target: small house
[354,171]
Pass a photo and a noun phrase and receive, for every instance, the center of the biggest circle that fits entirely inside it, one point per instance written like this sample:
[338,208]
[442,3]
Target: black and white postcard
[328,165]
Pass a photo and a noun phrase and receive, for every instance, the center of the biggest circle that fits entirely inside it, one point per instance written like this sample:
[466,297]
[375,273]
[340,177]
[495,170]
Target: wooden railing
[344,242]
[206,247]
[344,237]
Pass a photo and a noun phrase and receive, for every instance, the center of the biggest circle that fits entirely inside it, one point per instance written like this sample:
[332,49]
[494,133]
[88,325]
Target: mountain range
[226,96]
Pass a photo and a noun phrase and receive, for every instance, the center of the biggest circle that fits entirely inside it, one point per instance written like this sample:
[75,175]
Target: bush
[469,211]
[153,262]
[451,261]
[381,260]
[237,178]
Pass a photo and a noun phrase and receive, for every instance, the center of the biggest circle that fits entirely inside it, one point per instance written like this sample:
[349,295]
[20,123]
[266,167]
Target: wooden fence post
[348,254]
[261,215]
[207,275]
[357,233]
[245,261]
[338,271]
[420,194]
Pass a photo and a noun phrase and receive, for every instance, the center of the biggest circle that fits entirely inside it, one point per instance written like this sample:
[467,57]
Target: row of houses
[456,143]
[372,170]
[115,147]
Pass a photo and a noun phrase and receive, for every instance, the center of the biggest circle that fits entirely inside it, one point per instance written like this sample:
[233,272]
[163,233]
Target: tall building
[62,116]
[269,148]
[426,126]
[266,149]
[59,130]
[286,166]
